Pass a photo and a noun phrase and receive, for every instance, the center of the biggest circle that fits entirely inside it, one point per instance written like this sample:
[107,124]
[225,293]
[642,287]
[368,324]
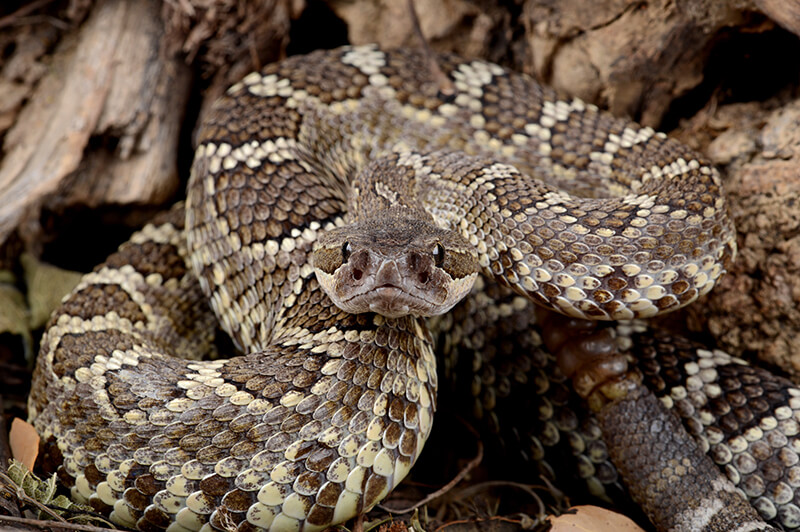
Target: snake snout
[388,274]
[393,284]
[390,281]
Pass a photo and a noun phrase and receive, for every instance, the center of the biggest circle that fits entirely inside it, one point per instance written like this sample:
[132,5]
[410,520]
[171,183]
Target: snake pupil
[438,255]
[346,251]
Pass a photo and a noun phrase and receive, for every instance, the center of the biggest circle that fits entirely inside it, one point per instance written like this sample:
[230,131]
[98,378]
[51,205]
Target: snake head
[394,266]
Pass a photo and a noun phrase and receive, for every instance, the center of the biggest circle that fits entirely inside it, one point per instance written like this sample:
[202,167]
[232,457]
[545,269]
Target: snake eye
[346,251]
[438,255]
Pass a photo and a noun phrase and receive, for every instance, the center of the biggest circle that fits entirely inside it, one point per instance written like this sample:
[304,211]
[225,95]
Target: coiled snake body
[567,206]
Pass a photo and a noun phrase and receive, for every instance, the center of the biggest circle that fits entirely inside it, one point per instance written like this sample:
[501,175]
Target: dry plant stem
[480,520]
[447,487]
[375,525]
[8,494]
[13,18]
[24,498]
[51,526]
[8,501]
[527,488]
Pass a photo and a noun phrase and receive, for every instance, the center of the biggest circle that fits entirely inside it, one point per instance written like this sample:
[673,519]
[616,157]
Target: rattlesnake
[561,203]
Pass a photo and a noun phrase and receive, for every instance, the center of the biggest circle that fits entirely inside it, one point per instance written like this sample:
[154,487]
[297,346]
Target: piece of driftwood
[23,68]
[110,80]
[784,12]
[103,125]
[229,38]
[461,26]
[756,309]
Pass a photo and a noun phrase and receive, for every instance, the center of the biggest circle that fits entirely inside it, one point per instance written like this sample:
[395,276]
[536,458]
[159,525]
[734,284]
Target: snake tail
[677,485]
[665,470]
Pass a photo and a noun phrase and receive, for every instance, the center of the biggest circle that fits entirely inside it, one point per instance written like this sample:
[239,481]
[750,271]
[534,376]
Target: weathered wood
[229,38]
[110,80]
[456,25]
[756,308]
[784,12]
[634,58]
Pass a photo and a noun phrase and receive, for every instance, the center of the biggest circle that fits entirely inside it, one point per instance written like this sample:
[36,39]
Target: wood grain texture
[109,79]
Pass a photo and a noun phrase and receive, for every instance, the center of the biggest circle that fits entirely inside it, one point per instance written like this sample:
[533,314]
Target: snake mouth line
[391,301]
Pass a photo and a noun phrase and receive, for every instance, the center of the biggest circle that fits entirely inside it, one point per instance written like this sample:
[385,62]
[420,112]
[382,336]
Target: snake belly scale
[570,207]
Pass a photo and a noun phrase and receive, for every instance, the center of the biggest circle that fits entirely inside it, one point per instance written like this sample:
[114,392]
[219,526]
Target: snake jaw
[393,285]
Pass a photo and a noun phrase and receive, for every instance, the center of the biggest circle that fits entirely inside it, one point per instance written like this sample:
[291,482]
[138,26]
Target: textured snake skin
[327,411]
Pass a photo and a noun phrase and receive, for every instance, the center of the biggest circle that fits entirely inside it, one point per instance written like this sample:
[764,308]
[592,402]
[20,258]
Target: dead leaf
[24,442]
[592,519]
[47,285]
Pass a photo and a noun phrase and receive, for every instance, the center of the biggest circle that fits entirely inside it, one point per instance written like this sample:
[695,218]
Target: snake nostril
[357,274]
[423,278]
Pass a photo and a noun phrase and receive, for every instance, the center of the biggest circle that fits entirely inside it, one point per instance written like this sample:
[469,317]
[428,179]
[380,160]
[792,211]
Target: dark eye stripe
[327,260]
[459,264]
